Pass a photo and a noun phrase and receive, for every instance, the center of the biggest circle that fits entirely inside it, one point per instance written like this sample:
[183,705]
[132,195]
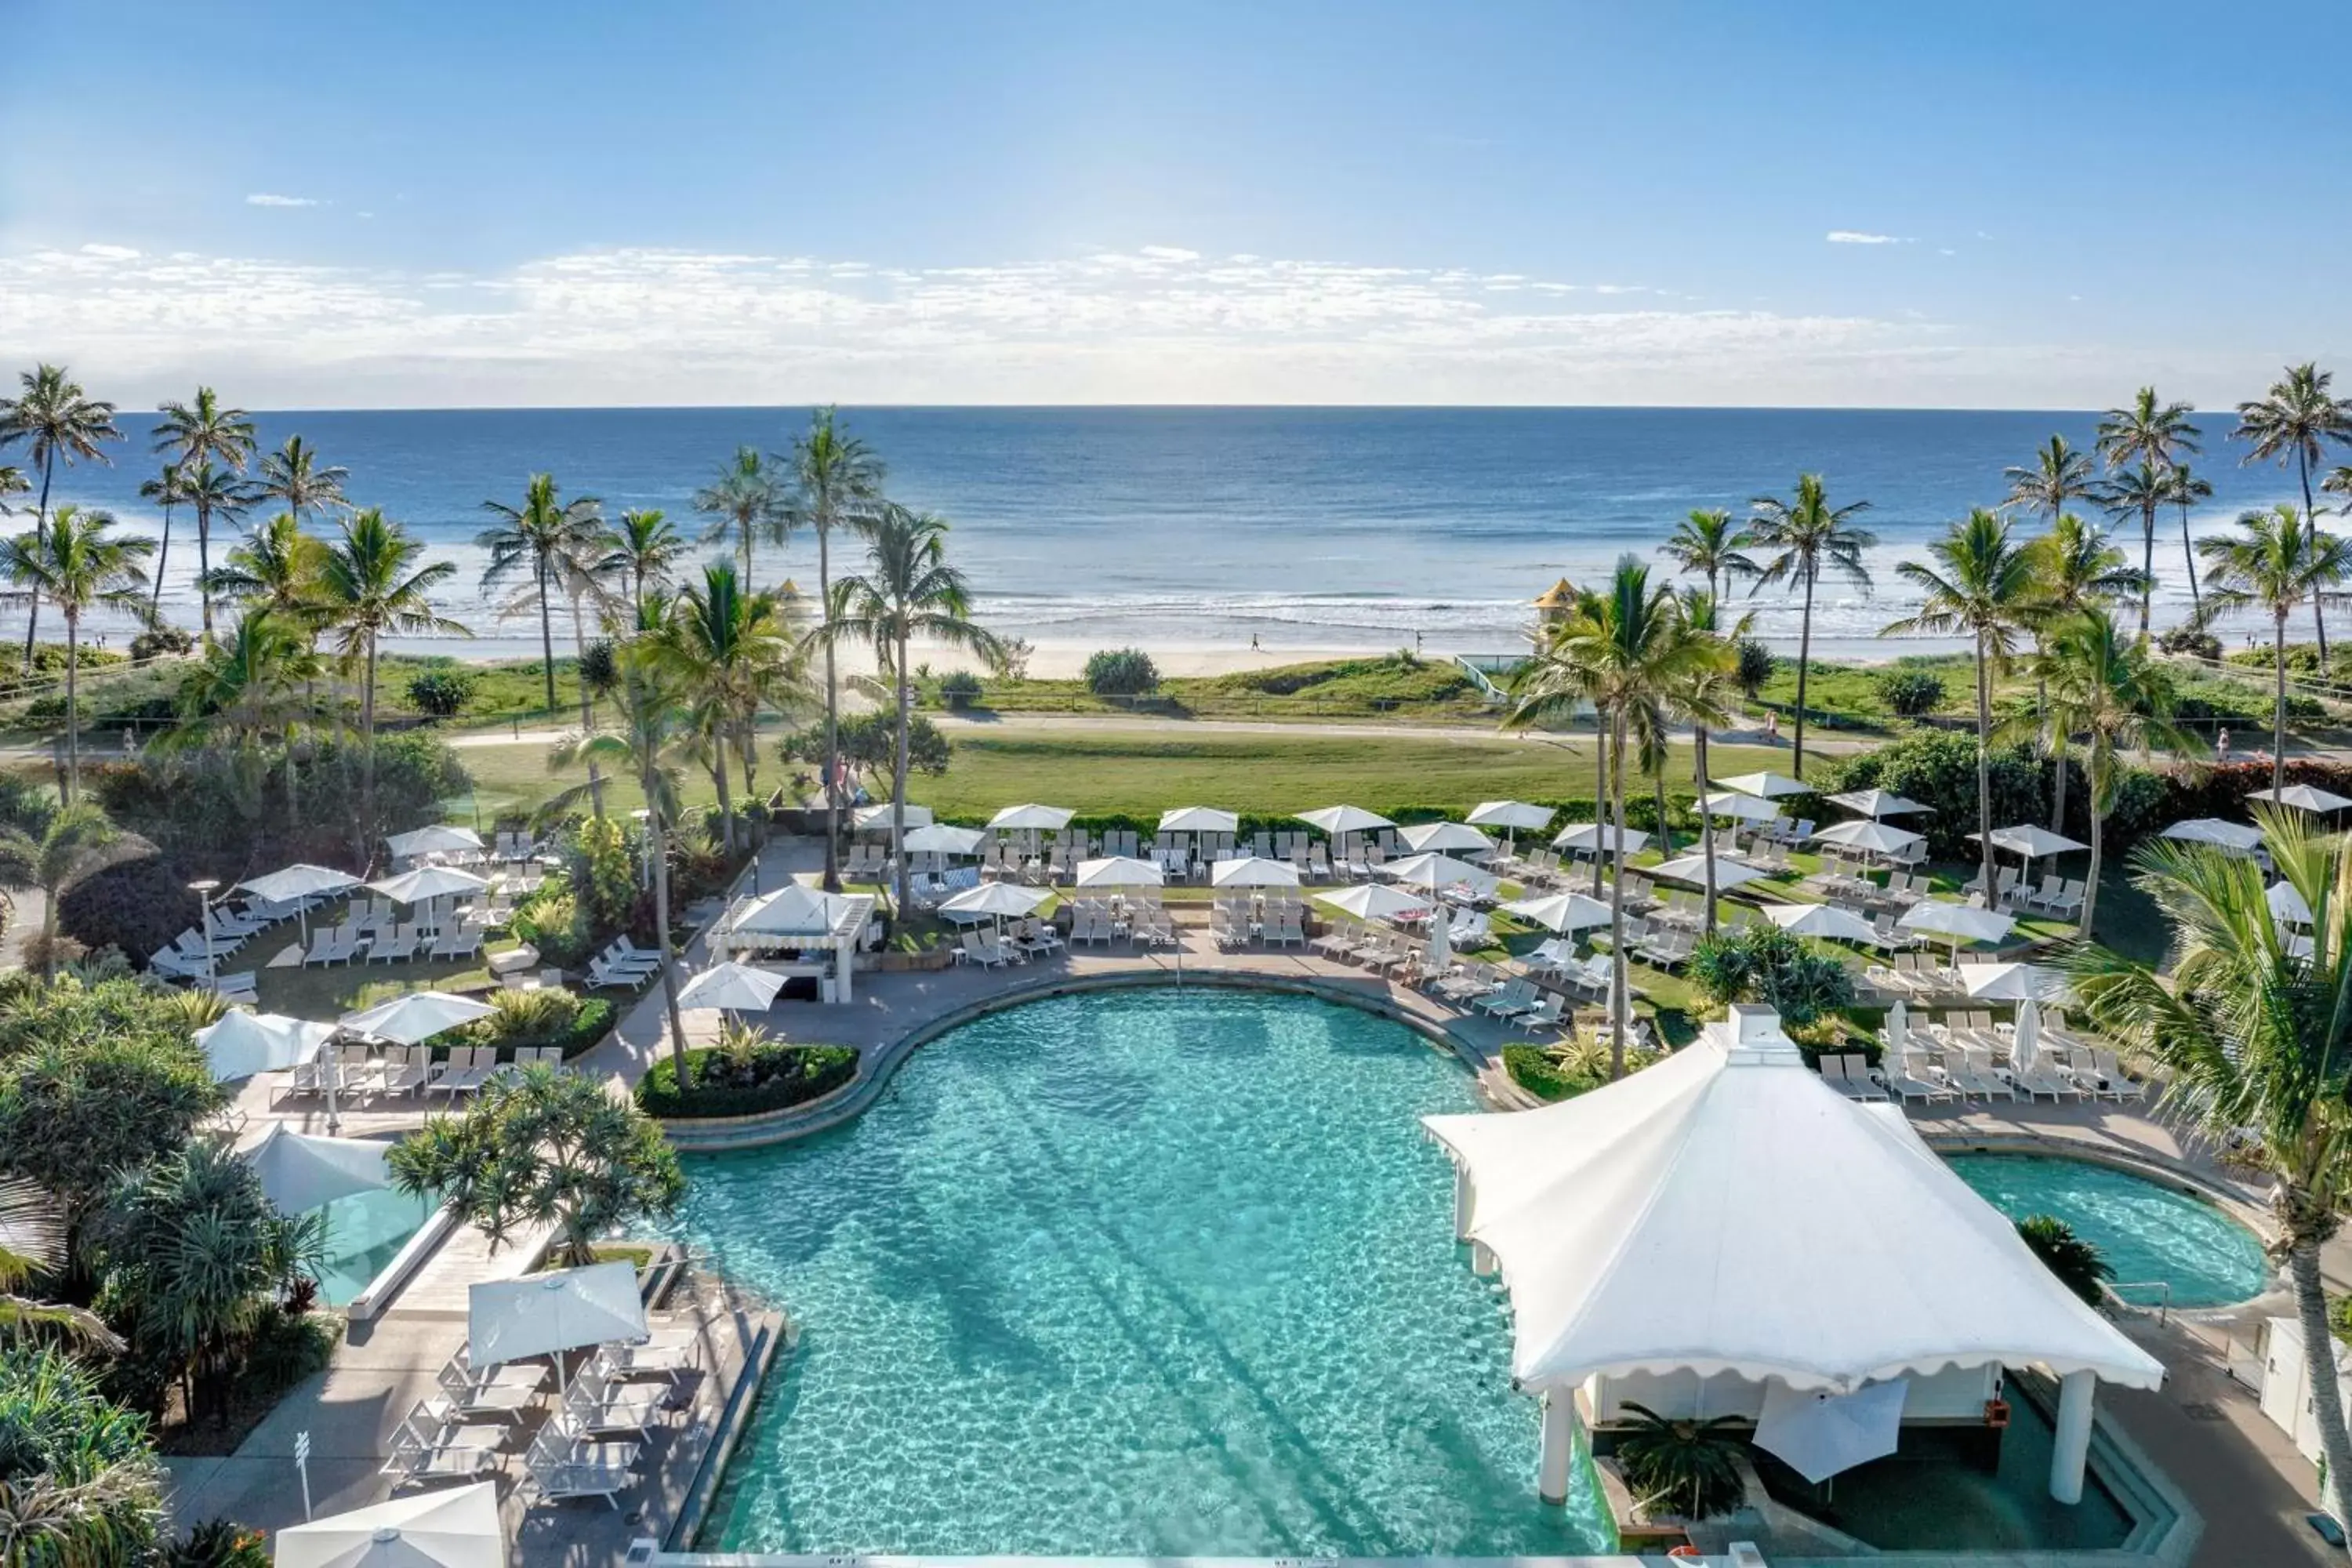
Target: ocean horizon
[1198,528]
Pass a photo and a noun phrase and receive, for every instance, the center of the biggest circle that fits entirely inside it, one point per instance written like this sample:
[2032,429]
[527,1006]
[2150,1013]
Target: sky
[534,203]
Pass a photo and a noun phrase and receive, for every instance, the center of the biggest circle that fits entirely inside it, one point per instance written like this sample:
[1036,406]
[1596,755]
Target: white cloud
[1858,237]
[264,199]
[111,252]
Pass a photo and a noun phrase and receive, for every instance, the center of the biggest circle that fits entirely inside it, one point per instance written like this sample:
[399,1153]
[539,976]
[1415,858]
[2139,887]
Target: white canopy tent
[1119,871]
[1376,901]
[2029,842]
[1445,838]
[1432,869]
[1598,835]
[415,1019]
[1512,815]
[801,917]
[1561,912]
[1879,802]
[1030,818]
[242,1044]
[1670,1226]
[454,1529]
[1824,921]
[2238,835]
[1335,820]
[875,818]
[1198,820]
[1692,868]
[939,839]
[996,900]
[2304,797]
[1871,834]
[297,884]
[731,987]
[1254,871]
[427,883]
[441,838]
[1744,807]
[2012,983]
[300,1171]
[1767,786]
[547,1314]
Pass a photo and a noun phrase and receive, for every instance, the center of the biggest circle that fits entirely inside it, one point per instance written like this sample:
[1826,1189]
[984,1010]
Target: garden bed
[770,1076]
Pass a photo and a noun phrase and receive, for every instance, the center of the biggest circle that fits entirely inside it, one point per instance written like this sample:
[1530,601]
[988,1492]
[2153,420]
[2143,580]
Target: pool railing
[2113,1290]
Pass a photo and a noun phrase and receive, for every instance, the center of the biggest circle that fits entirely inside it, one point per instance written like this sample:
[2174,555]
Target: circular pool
[1164,1272]
[2146,1231]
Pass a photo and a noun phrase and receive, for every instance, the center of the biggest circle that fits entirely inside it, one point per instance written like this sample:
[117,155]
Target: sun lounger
[1912,1078]
[427,1447]
[1517,997]
[1858,1083]
[601,1407]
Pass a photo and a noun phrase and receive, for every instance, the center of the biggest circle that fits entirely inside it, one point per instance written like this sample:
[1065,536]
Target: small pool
[2147,1231]
[1164,1272]
[364,1233]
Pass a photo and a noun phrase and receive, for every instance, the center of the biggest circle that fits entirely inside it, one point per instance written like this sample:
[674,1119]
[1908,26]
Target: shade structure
[454,1529]
[1445,837]
[1898,1027]
[1818,1432]
[2012,983]
[939,839]
[1119,871]
[546,1314]
[1432,869]
[2303,798]
[1821,920]
[731,988]
[1437,954]
[1674,1221]
[299,1172]
[441,838]
[413,1019]
[428,882]
[1598,835]
[796,909]
[876,818]
[1376,901]
[1254,871]
[1001,899]
[2025,1040]
[1692,868]
[1873,836]
[1337,820]
[2287,905]
[2031,842]
[1032,818]
[2213,830]
[1767,786]
[1561,912]
[1745,807]
[1513,815]
[1962,922]
[242,1044]
[299,881]
[1879,802]
[1198,820]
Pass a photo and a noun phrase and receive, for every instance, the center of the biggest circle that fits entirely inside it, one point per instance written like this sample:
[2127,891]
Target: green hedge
[771,1078]
[1534,1070]
[591,1024]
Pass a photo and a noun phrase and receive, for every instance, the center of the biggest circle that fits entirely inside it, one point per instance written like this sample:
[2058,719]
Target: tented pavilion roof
[1677,1220]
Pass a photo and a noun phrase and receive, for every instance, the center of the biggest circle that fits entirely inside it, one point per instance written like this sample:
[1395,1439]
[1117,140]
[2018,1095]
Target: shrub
[869,744]
[959,690]
[219,1544]
[1121,672]
[138,904]
[768,1075]
[2079,1266]
[77,1471]
[1686,1467]
[1938,769]
[160,641]
[2191,641]
[440,693]
[1764,964]
[1756,663]
[1910,693]
[550,921]
[1546,1077]
[549,1015]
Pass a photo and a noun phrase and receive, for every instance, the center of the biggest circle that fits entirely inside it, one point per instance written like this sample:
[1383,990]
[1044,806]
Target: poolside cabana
[803,918]
[1670,1240]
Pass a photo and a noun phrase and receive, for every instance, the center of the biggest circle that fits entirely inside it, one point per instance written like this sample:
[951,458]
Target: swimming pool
[365,1232]
[2146,1231]
[1165,1272]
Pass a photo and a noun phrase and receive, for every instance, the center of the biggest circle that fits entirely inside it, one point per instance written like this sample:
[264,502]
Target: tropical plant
[541,1147]
[1982,588]
[74,841]
[2077,1264]
[838,481]
[219,1544]
[33,1246]
[746,503]
[13,482]
[1707,541]
[532,537]
[57,421]
[2137,492]
[293,474]
[440,693]
[1807,536]
[2151,436]
[217,495]
[1910,693]
[1755,662]
[2187,490]
[1701,696]
[959,690]
[730,654]
[908,591]
[2075,570]
[1688,1466]
[644,548]
[74,565]
[79,1485]
[195,436]
[252,685]
[1120,672]
[2296,420]
[2276,563]
[1764,964]
[168,490]
[2058,476]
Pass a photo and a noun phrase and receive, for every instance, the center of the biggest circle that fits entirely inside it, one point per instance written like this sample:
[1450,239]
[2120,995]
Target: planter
[930,959]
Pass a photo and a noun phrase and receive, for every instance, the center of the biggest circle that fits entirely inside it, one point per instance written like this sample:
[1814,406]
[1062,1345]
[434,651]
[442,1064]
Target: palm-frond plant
[528,538]
[74,840]
[251,685]
[1703,700]
[729,653]
[196,435]
[167,490]
[2077,1264]
[76,566]
[294,475]
[2296,421]
[2144,445]
[58,422]
[79,1487]
[33,1231]
[1682,1464]
[838,481]
[1807,536]
[2276,565]
[644,548]
[1708,543]
[746,503]
[2076,569]
[2186,488]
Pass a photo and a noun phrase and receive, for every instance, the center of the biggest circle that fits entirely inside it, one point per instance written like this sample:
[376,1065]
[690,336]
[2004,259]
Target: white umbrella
[547,1314]
[2012,983]
[413,1019]
[1432,869]
[1873,836]
[2287,905]
[1962,922]
[1898,1028]
[1030,818]
[1337,820]
[428,882]
[1819,1433]
[1198,820]
[1770,786]
[1747,807]
[1254,871]
[997,899]
[1879,802]
[441,838]
[937,839]
[243,1043]
[454,1529]
[1119,871]
[2025,1042]
[2213,830]
[1561,912]
[299,1172]
[875,818]
[2303,798]
[1598,835]
[1439,953]
[1444,837]
[1692,868]
[2031,842]
[1821,920]
[1512,815]
[732,987]
[300,882]
[1376,901]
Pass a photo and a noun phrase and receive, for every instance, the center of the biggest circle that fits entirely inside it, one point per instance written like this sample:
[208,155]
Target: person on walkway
[2222,745]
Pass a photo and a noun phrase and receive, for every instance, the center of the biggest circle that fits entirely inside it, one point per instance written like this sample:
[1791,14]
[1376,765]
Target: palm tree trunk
[162,560]
[2278,715]
[587,712]
[2146,563]
[2189,554]
[899,784]
[2319,1368]
[293,805]
[2058,780]
[1599,797]
[719,773]
[1617,962]
[2310,523]
[367,753]
[1804,659]
[654,826]
[1984,769]
[205,564]
[546,635]
[831,714]
[1706,822]
[745,524]
[1658,787]
[73,706]
[40,531]
[2098,772]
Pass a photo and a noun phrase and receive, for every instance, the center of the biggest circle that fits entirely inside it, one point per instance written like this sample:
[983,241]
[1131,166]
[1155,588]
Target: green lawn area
[1408,688]
[326,991]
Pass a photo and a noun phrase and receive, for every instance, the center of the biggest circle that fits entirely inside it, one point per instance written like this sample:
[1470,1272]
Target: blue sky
[1547,203]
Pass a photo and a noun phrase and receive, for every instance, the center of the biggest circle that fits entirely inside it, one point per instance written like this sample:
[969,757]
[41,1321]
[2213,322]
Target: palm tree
[74,565]
[215,493]
[2296,418]
[646,549]
[193,434]
[1809,535]
[372,580]
[32,1244]
[2276,565]
[2137,492]
[728,652]
[2155,435]
[1706,542]
[2243,1030]
[908,592]
[294,474]
[746,500]
[838,479]
[2075,570]
[1703,699]
[531,535]
[1982,588]
[1623,648]
[167,489]
[75,840]
[13,482]
[55,420]
[254,683]
[2187,490]
[584,577]
[275,567]
[2106,688]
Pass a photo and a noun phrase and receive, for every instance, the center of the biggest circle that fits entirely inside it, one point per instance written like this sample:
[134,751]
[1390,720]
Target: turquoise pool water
[365,1232]
[1165,1272]
[2147,1231]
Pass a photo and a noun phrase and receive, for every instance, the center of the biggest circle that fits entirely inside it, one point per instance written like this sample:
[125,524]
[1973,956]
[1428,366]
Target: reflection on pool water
[2146,1231]
[1166,1272]
[366,1232]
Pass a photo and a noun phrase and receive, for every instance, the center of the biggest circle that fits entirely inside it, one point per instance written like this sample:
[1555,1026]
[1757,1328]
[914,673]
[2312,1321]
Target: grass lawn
[332,990]
[1428,688]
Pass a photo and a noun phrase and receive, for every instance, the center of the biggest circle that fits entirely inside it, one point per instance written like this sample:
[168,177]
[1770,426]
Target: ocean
[1199,529]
